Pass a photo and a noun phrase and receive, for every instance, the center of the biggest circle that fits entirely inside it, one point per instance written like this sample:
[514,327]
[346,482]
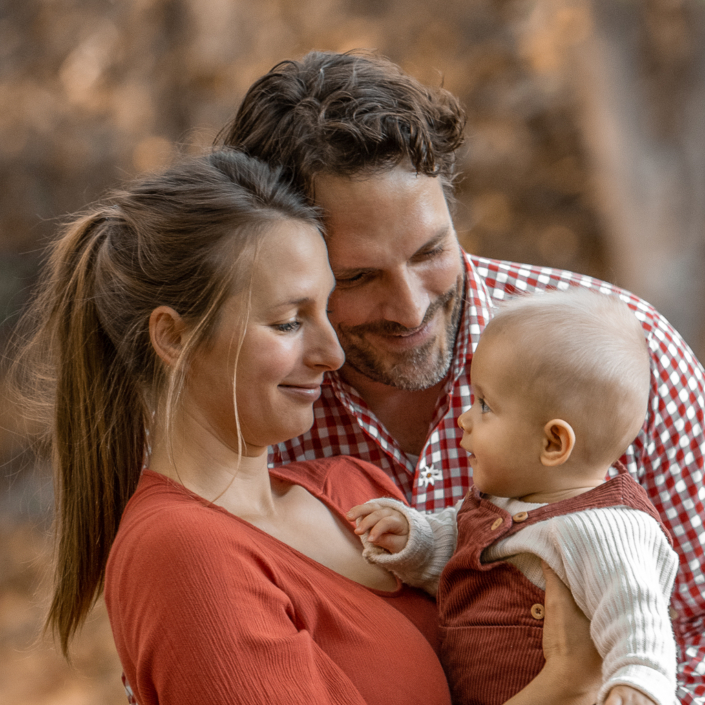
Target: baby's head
[561,383]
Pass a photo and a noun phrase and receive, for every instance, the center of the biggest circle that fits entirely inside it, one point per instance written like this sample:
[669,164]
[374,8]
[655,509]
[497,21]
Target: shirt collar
[477,311]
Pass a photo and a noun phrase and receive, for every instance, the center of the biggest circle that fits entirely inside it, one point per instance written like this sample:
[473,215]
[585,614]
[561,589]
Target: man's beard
[412,370]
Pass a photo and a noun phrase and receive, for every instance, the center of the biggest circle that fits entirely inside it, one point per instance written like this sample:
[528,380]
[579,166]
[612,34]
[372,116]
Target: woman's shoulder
[159,499]
[341,480]
[164,518]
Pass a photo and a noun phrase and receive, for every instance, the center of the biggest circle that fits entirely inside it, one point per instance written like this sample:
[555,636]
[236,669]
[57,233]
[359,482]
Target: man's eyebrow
[440,235]
[435,240]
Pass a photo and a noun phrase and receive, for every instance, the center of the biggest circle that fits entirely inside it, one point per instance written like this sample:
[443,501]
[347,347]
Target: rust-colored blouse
[206,608]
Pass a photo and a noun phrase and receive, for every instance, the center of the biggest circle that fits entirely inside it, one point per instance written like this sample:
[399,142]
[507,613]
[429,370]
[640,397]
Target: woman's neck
[209,466]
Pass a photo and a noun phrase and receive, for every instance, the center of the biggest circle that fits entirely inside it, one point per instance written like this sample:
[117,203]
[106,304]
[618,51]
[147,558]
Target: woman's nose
[328,353]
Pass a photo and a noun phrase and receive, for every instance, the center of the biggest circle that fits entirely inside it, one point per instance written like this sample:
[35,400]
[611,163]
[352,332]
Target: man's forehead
[364,190]
[395,211]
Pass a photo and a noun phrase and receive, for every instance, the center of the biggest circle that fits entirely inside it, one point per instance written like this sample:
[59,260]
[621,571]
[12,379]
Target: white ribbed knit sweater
[616,561]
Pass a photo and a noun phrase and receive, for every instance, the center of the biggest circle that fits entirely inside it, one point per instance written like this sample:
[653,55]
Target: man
[375,150]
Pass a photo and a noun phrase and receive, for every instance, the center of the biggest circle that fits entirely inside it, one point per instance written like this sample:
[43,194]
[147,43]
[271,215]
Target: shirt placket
[426,484]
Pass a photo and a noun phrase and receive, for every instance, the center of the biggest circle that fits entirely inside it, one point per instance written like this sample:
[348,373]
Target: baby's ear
[558,442]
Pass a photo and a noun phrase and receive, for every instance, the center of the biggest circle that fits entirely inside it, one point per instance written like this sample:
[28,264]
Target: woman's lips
[304,392]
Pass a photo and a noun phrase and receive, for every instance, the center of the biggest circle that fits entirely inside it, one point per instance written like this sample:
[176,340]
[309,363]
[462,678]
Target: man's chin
[412,370]
[409,375]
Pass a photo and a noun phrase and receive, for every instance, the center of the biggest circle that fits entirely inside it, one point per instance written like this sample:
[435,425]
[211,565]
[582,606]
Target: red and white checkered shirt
[666,457]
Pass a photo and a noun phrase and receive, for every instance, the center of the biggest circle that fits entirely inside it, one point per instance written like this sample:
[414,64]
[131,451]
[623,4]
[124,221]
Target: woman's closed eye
[288,327]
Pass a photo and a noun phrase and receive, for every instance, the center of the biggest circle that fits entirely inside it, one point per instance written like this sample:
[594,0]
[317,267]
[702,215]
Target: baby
[561,384]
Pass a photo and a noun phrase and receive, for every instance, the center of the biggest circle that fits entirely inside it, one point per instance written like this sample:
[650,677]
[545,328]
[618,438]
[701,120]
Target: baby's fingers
[368,522]
[372,522]
[389,524]
[624,695]
[362,510]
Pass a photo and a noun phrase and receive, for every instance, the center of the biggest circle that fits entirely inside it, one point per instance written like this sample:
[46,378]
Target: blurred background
[585,151]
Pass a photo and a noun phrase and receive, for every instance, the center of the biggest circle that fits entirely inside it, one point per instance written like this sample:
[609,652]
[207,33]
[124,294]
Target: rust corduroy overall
[491,615]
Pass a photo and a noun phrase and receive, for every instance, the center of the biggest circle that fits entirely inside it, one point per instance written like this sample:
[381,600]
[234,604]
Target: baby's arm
[424,544]
[621,569]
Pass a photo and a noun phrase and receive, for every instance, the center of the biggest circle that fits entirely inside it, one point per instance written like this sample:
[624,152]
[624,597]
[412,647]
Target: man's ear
[558,442]
[166,331]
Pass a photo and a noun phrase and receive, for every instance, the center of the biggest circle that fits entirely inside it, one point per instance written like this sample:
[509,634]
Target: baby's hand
[624,695]
[388,528]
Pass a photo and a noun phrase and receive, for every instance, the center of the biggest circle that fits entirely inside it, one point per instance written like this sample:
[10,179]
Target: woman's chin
[294,430]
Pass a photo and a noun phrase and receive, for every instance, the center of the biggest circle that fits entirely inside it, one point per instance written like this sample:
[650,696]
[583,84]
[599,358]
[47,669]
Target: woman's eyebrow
[303,301]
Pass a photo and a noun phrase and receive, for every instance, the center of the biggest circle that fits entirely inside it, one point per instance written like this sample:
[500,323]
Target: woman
[188,316]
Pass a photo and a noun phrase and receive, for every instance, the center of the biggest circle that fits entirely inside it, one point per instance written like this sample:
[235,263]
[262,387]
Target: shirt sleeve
[667,460]
[620,569]
[431,543]
[205,621]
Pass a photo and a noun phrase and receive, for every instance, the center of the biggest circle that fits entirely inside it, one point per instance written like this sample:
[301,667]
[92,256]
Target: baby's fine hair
[583,357]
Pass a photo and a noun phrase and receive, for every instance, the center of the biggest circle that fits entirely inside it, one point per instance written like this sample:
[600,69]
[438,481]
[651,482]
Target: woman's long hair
[184,239]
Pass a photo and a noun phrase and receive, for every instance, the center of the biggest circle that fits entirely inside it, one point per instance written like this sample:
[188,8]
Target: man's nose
[406,299]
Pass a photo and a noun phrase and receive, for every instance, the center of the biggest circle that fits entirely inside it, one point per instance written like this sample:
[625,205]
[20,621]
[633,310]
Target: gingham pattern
[666,458]
[128,691]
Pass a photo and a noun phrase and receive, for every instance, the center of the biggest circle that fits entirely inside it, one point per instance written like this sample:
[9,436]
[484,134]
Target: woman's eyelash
[288,327]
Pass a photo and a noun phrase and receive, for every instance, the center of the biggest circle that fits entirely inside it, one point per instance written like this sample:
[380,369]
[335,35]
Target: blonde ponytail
[99,426]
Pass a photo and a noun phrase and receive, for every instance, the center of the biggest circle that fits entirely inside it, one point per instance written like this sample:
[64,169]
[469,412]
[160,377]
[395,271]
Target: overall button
[496,524]
[521,516]
[537,611]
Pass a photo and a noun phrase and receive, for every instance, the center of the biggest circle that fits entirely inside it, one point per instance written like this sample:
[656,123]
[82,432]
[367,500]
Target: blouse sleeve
[199,620]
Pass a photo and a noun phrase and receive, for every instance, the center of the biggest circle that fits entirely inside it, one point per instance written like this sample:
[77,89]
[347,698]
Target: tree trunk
[642,79]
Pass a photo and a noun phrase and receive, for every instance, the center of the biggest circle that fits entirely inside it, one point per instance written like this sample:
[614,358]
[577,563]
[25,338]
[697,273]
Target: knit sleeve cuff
[649,681]
[410,564]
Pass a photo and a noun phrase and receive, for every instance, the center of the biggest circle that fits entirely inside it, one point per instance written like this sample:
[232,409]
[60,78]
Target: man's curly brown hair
[346,114]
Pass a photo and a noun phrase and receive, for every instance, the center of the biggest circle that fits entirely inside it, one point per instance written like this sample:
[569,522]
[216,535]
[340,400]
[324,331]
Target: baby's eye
[288,327]
[483,406]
